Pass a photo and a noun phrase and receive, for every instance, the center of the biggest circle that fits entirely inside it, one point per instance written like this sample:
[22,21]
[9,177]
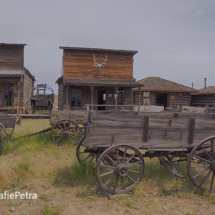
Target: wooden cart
[7,126]
[120,143]
[66,126]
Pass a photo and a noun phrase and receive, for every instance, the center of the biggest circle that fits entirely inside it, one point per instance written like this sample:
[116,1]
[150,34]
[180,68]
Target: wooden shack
[161,92]
[205,97]
[16,82]
[102,78]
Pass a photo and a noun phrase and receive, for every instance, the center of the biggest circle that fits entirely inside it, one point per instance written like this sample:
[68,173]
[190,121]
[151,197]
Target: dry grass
[35,164]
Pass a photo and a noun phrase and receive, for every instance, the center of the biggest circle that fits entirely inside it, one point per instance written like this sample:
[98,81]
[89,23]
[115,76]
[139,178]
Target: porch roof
[99,82]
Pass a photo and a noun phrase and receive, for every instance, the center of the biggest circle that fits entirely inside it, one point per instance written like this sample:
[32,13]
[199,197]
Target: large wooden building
[161,92]
[16,82]
[96,77]
[205,97]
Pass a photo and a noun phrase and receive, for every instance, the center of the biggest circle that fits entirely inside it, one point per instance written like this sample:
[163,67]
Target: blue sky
[174,39]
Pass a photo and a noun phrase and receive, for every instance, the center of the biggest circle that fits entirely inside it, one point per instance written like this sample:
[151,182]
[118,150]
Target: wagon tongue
[170,167]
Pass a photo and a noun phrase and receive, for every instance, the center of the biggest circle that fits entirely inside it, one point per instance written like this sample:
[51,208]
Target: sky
[174,39]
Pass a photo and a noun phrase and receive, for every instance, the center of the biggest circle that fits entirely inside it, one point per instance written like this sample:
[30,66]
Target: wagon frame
[106,140]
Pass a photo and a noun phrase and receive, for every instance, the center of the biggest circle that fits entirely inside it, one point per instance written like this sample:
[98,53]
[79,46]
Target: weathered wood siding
[11,58]
[203,100]
[60,96]
[27,91]
[81,65]
[181,99]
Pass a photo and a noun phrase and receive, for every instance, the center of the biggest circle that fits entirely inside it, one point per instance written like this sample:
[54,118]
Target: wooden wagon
[120,143]
[7,126]
[42,98]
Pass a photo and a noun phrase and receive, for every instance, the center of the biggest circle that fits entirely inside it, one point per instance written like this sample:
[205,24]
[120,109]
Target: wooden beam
[116,89]
[18,99]
[92,89]
[67,88]
[139,99]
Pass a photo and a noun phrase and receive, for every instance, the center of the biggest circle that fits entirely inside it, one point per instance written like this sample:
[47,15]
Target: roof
[11,73]
[208,90]
[15,73]
[98,49]
[99,82]
[160,84]
[11,44]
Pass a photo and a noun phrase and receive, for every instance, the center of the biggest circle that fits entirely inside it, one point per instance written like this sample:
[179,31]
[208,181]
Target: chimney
[192,85]
[205,83]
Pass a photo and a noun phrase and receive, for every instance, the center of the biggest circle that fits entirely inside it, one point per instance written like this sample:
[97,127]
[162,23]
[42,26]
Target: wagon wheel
[201,164]
[119,169]
[65,131]
[81,155]
[1,143]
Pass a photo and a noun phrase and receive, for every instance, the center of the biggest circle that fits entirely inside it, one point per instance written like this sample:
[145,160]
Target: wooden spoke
[205,178]
[130,158]
[124,155]
[107,173]
[109,180]
[71,140]
[206,153]
[111,160]
[59,138]
[123,183]
[201,172]
[134,171]
[130,178]
[107,166]
[212,181]
[132,164]
[74,137]
[203,165]
[212,147]
[60,127]
[117,177]
[202,159]
[117,156]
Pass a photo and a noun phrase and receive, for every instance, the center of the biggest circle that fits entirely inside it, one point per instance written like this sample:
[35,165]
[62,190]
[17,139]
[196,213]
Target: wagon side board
[77,116]
[155,131]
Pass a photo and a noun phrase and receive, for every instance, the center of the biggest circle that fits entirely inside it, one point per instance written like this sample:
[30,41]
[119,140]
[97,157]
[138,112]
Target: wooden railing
[123,107]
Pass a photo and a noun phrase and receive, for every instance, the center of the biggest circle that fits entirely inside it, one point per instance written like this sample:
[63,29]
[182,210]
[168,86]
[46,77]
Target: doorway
[101,99]
[161,100]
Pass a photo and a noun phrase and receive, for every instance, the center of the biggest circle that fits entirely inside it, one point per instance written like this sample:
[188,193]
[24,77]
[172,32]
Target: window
[120,96]
[76,96]
[8,96]
[146,98]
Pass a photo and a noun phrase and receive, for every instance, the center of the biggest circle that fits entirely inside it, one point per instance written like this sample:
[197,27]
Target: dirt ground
[70,203]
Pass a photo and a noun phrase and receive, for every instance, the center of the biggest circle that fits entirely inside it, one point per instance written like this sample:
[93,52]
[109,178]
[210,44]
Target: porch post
[67,87]
[116,89]
[18,99]
[92,89]
[139,98]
